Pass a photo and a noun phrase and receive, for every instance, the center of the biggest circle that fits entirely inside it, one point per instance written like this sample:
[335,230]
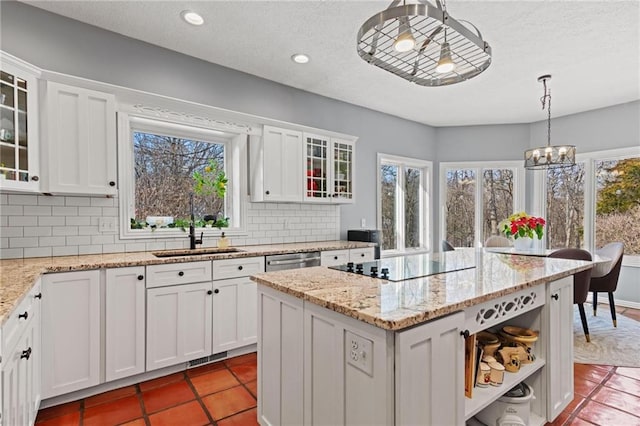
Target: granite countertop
[17,276]
[398,305]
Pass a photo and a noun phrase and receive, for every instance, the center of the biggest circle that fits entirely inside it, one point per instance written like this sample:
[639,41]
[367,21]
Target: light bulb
[300,58]
[547,153]
[562,152]
[405,42]
[445,64]
[192,18]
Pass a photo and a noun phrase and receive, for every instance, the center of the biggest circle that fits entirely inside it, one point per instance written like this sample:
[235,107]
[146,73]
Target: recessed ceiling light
[300,58]
[192,17]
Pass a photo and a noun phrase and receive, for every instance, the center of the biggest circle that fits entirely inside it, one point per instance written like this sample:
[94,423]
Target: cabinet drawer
[20,318]
[235,268]
[178,273]
[361,255]
[334,257]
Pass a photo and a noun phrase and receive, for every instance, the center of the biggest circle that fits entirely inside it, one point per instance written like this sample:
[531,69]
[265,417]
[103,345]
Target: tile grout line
[145,417]
[200,401]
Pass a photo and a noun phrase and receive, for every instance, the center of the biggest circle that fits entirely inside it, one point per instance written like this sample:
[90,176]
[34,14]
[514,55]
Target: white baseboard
[605,301]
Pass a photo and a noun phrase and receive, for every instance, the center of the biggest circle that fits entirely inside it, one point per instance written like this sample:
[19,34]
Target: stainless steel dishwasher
[279,262]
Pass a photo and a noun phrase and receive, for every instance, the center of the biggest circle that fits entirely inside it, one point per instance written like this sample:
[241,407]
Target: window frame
[479,167]
[589,159]
[235,146]
[425,202]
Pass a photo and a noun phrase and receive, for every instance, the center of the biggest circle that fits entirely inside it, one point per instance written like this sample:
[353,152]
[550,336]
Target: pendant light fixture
[549,156]
[423,44]
[445,64]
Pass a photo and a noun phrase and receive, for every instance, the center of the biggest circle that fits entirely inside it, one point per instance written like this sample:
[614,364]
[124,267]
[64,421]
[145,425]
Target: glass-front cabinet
[18,125]
[329,169]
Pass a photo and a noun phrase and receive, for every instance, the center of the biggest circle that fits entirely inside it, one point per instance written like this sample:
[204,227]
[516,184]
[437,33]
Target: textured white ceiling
[592,49]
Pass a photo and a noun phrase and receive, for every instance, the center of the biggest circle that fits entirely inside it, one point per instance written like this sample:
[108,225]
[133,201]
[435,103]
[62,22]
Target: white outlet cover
[107,224]
[359,352]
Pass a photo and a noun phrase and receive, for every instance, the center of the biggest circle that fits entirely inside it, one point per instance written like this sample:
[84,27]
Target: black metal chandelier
[423,44]
[549,156]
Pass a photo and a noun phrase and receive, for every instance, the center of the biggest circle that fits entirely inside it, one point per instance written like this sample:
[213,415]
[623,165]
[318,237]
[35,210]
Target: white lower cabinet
[125,322]
[334,257]
[20,385]
[559,370]
[340,257]
[178,324]
[430,373]
[280,358]
[70,332]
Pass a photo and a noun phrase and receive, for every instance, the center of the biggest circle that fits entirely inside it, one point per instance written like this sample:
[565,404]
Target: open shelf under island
[343,348]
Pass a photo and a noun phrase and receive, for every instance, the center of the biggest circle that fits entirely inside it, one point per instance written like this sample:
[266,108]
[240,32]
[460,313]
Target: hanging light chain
[543,100]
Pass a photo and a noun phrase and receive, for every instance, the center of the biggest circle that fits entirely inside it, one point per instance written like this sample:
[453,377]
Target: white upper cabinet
[19,143]
[79,141]
[275,166]
[329,169]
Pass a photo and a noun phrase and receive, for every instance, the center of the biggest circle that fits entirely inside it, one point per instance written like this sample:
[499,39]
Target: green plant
[210,181]
[521,225]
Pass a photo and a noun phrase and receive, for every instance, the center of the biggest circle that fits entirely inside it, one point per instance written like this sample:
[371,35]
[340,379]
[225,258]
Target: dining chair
[580,282]
[446,246]
[497,241]
[604,279]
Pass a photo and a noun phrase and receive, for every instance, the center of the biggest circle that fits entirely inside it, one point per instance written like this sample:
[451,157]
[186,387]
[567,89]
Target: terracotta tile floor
[224,394]
[220,394]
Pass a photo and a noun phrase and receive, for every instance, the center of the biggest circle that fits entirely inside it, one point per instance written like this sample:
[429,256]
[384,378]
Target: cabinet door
[280,358]
[125,322]
[19,380]
[430,373]
[178,324]
[226,296]
[559,367]
[80,154]
[317,168]
[248,312]
[70,332]
[282,170]
[343,155]
[18,125]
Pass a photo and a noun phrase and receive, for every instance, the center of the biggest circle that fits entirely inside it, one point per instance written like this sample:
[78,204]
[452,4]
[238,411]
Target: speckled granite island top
[17,276]
[397,305]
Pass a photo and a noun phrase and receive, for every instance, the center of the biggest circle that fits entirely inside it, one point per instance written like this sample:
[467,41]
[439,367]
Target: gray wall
[60,44]
[64,45]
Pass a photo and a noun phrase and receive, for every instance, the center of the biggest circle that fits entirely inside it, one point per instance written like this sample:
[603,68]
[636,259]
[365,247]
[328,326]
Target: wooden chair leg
[595,302]
[583,318]
[612,306]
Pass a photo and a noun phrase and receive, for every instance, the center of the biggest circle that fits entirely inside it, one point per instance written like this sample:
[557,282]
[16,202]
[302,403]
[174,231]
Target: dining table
[600,263]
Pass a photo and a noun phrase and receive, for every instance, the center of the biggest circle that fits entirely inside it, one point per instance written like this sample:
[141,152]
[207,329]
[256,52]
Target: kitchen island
[337,347]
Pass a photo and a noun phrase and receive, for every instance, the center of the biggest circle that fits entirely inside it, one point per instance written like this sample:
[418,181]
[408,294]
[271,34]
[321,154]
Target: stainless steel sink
[195,252]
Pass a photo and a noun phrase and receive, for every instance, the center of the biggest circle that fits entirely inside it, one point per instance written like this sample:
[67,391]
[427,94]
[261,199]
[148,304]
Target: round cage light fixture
[423,44]
[549,156]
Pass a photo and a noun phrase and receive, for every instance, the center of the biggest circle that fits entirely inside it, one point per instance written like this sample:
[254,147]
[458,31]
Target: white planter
[523,243]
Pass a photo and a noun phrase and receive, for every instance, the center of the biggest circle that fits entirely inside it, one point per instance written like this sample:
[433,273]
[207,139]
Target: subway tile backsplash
[40,225]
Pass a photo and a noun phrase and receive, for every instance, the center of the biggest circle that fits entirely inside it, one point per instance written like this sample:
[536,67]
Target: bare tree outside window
[618,203]
[388,195]
[412,210]
[460,207]
[164,167]
[565,207]
[497,199]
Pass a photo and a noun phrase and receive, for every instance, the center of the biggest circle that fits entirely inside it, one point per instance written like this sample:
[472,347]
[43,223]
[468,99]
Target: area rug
[619,346]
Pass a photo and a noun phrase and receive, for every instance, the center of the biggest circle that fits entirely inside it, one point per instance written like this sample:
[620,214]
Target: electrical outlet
[363,223]
[359,352]
[107,224]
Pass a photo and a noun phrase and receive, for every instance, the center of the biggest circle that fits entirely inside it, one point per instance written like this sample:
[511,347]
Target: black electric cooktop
[402,268]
